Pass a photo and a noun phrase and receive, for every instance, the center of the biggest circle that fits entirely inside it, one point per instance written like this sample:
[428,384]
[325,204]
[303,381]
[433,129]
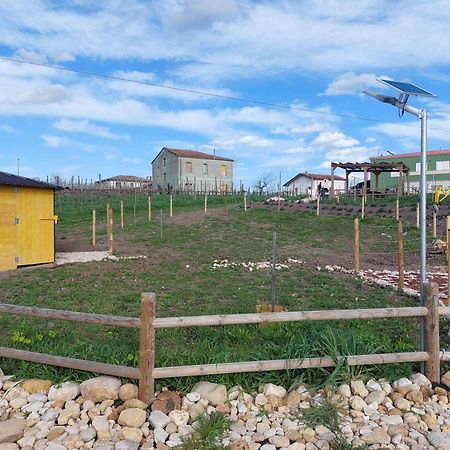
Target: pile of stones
[102,413]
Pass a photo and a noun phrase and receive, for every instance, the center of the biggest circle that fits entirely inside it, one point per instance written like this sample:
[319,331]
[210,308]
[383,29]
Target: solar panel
[408,88]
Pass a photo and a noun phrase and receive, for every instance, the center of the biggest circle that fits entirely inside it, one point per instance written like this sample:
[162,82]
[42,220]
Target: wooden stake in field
[417,215]
[147,348]
[401,261]
[397,209]
[206,203]
[274,264]
[363,206]
[107,214]
[110,232]
[149,209]
[356,226]
[93,227]
[318,205]
[245,202]
[171,206]
[161,224]
[432,365]
[121,213]
[448,260]
[434,224]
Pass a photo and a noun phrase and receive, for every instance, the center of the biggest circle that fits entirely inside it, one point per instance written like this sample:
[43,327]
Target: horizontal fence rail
[147,323]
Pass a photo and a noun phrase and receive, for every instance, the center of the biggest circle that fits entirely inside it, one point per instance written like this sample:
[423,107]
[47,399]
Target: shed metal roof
[411,155]
[15,180]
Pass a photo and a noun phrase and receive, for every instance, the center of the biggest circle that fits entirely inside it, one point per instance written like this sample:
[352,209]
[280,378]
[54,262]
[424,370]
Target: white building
[308,183]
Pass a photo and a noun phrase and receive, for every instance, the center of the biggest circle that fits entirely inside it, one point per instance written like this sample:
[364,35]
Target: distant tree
[264,182]
[56,179]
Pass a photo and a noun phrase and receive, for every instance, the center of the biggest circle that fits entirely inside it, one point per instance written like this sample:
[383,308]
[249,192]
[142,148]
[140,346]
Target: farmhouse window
[205,169]
[164,162]
[417,167]
[223,170]
[188,167]
[442,165]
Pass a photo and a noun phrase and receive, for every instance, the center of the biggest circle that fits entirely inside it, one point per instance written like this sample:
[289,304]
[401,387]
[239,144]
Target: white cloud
[55,141]
[334,139]
[5,127]
[46,94]
[84,126]
[352,84]
[64,57]
[263,37]
[370,140]
[30,56]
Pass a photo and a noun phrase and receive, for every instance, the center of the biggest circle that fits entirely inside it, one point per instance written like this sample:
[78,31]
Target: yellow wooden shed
[27,221]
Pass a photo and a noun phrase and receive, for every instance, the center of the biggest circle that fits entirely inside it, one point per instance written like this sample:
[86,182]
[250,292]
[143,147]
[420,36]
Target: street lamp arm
[396,102]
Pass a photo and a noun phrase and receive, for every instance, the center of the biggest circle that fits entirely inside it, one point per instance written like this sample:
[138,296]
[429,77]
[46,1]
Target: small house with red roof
[308,183]
[191,171]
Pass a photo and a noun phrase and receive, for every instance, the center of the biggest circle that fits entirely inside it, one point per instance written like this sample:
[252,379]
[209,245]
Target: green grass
[208,432]
[179,270]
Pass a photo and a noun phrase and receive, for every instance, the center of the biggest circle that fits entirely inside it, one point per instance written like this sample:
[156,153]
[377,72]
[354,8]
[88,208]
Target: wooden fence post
[417,215]
[93,227]
[206,203]
[448,259]
[434,224]
[147,347]
[245,202]
[170,206]
[401,260]
[356,224]
[110,231]
[318,205]
[432,347]
[121,213]
[363,206]
[107,214]
[397,209]
[149,209]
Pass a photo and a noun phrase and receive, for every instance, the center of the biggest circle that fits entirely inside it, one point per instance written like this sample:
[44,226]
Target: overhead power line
[207,94]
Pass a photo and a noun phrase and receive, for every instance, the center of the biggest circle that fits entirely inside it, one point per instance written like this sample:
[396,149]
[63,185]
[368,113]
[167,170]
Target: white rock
[64,392]
[216,394]
[127,445]
[357,403]
[344,390]
[160,435]
[373,385]
[273,389]
[158,419]
[193,397]
[179,417]
[402,382]
[439,440]
[420,379]
[100,388]
[358,388]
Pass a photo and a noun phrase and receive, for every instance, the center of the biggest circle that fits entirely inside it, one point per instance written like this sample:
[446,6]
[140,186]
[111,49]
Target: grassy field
[179,269]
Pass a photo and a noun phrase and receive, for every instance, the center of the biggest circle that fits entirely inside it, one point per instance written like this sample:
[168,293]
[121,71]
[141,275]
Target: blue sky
[316,56]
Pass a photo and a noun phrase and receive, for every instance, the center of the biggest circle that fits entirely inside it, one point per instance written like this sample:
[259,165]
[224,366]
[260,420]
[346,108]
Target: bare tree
[264,182]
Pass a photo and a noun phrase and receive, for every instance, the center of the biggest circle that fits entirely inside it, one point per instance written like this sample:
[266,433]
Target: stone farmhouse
[191,171]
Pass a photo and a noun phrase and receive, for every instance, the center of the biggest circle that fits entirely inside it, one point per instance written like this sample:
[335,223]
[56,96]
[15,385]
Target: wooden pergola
[370,167]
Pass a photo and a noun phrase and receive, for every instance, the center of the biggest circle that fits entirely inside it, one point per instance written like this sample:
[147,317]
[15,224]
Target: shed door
[8,228]
[36,226]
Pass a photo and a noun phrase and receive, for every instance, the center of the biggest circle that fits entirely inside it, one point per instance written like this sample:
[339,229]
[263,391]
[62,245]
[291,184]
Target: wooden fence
[147,323]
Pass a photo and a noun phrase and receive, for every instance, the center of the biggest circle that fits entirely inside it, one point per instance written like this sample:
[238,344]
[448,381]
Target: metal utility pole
[406,90]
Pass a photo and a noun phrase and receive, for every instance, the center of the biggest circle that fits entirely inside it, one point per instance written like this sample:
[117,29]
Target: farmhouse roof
[192,154]
[15,180]
[313,176]
[412,155]
[127,178]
